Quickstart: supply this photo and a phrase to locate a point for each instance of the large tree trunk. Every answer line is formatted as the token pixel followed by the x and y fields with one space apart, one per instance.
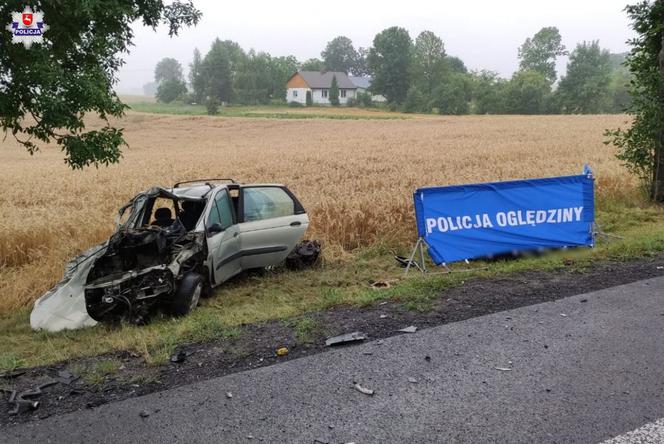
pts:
pixel 658 173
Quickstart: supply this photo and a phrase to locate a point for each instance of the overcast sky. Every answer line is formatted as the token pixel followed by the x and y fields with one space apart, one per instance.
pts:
pixel 484 33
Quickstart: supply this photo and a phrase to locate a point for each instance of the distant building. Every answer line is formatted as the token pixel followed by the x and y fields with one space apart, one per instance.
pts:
pixel 363 84
pixel 318 83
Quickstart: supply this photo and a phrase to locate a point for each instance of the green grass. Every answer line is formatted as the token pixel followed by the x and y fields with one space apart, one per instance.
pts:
pixel 305 328
pixel 264 112
pixel 288 296
pixel 97 372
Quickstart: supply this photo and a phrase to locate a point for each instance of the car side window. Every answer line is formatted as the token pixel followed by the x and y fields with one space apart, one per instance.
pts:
pixel 221 212
pixel 262 203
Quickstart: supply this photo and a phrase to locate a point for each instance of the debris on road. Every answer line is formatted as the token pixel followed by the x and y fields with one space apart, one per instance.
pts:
pixel 229 395
pixel 179 357
pixel 427 358
pixel 563 315
pixel 345 338
pixel 144 414
pixel 12 374
pixel 21 404
pixel 410 329
pixel 364 390
pixel 412 380
pixel 504 369
pixel 65 377
pixel 283 351
pixel 383 316
pixel 379 285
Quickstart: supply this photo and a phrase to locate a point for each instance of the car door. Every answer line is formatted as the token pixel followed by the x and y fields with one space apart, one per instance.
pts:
pixel 272 223
pixel 223 238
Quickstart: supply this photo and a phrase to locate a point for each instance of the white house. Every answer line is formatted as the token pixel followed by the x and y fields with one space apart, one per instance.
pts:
pixel 318 84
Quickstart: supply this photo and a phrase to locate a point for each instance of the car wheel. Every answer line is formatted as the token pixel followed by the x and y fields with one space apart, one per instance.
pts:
pixel 187 295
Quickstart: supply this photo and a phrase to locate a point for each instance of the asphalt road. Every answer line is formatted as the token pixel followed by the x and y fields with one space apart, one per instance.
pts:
pixel 582 369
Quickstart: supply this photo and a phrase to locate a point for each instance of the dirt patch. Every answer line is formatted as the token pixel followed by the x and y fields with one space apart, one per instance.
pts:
pixel 94 381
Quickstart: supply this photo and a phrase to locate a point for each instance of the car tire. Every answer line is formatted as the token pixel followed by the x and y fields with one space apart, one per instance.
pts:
pixel 187 295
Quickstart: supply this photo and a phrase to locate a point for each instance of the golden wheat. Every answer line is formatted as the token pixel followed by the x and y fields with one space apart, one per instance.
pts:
pixel 355 177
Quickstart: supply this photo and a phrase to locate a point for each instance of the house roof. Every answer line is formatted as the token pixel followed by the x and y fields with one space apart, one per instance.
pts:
pixel 361 82
pixel 317 79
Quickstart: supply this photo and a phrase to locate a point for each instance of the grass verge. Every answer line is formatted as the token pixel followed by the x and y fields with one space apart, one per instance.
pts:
pixel 289 295
pixel 269 112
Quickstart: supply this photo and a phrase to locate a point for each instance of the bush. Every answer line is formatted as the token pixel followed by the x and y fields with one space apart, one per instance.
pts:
pixel 351 101
pixel 295 105
pixel 364 99
pixel 170 90
pixel 212 105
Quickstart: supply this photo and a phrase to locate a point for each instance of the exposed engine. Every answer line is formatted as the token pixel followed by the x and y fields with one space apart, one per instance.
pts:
pixel 139 269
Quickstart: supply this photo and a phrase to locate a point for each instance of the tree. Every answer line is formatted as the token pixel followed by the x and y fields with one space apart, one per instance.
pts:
pixel 168 69
pixel 428 58
pixel 334 92
pixel 488 93
pixel 415 101
pixel 360 67
pixel 585 87
pixel 453 96
pixel 281 68
pixel 641 146
pixel 527 93
pixel 47 90
pixel 390 61
pixel 339 55
pixel 253 81
pixel 539 53
pixel 313 65
pixel 170 90
pixel 217 72
pixel 196 78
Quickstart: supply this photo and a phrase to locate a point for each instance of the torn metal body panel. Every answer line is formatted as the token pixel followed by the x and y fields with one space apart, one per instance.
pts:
pixel 169 248
pixel 63 306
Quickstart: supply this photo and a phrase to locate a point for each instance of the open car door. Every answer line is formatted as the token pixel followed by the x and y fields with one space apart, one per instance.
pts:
pixel 272 222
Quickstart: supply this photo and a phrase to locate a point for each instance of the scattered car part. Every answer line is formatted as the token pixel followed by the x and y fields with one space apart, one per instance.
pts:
pixel 410 329
pixel 282 351
pixel 364 390
pixel 403 262
pixel 346 338
pixel 304 255
pixel 21 404
pixel 179 357
pixel 170 247
pixel 504 369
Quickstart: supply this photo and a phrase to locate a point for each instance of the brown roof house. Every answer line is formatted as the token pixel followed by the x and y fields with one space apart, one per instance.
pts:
pixel 318 83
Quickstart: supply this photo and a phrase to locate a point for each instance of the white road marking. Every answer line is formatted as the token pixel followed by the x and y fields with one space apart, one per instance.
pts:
pixel 652 433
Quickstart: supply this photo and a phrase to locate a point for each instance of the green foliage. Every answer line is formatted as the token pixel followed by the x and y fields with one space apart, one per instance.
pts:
pixel 168 69
pixel 212 105
pixel 295 104
pixel 313 65
pixel 364 99
pixel 339 55
pixel 453 96
pixel 539 53
pixel 415 101
pixel 309 100
pixel 390 60
pixel 641 146
pixel 219 69
pixel 196 78
pixel 334 92
pixel 585 87
pixel 488 93
pixel 428 66
pixel 47 90
pixel 170 90
pixel 527 93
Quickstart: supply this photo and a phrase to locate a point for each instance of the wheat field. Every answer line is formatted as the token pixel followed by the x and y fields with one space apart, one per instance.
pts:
pixel 355 177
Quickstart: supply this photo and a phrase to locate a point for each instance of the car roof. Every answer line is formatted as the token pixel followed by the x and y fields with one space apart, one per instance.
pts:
pixel 199 191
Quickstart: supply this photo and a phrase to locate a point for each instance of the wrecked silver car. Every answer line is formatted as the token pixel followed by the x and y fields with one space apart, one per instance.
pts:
pixel 171 247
